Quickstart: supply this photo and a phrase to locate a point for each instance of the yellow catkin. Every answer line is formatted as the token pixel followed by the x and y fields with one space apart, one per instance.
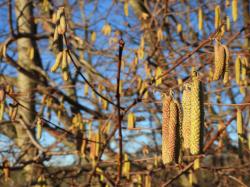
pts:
pixel 65 65
pixel 196 116
pixel 165 126
pixel 159 35
pixel 148 180
pixel 217 16
pixel 39 129
pixel 196 164
pixel 186 105
pixel 228 23
pixel 59 14
pixel 42 181
pixel 13 112
pixel 219 60
pixel 121 87
pixel 158 73
pixel 179 28
pixel 86 89
pixel 6 170
pixel 126 166
pixel 180 83
pixel 104 104
pixel 93 36
pixel 31 53
pixel 98 141
pixel 125 8
pixel 56 34
pixel 131 120
pixel 58 62
pixel 156 161
pixel 139 180
pixel 106 30
pixel 190 177
pixel 200 19
pixel 142 42
pixel 226 65
pixel 2 107
pixel 108 127
pixel 235 10
pixel 140 53
pixel 172 133
pixel 179 138
pixel 92 145
pixel 83 147
pixel 244 68
pixel 237 69
pixel 63 25
pixel 54 17
pixel 240 131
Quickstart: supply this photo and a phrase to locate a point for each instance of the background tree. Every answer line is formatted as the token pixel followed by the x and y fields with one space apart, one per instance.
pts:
pixel 83 86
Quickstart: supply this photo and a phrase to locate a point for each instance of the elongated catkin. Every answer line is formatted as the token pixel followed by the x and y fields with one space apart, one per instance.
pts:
pixel 58 62
pixel 65 65
pixel 38 129
pixel 200 18
pixel 244 69
pixel 237 69
pixel 240 131
pixel 219 60
pixel 179 137
pixel 197 116
pixel 217 16
pixel 186 105
pixel 131 120
pixel 165 125
pixel 172 133
pixel 235 10
pixel 226 65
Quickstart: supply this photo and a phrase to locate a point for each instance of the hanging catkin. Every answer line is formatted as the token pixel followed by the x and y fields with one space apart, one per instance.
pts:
pixel 240 131
pixel 179 137
pixel 125 8
pixel 39 125
pixel 165 125
pixel 220 58
pixel 228 23
pixel 197 114
pixel 226 66
pixel 131 120
pixel 172 132
pixel 200 18
pixel 237 69
pixel 186 105
pixel 65 72
pixel 58 62
pixel 217 16
pixel 235 10
pixel 6 169
pixel 244 70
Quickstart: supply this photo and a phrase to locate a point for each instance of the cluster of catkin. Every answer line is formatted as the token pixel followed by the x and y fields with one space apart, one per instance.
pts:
pixel 221 58
pixel 182 125
pixel 62 58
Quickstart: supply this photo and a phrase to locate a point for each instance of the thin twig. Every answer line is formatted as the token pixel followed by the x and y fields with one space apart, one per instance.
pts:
pixel 119 117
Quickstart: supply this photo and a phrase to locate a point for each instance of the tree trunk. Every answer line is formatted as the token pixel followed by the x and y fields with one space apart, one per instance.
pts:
pixel 25 24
